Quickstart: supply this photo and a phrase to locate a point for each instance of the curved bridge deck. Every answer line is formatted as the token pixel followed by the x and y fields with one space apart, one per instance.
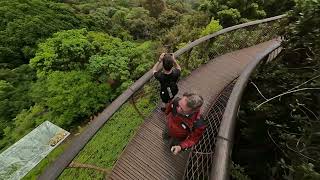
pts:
pixel 147 156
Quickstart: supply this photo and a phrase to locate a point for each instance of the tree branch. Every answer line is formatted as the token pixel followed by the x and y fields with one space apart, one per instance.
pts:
pixel 288 92
pixel 304 82
pixel 258 90
pixel 88 166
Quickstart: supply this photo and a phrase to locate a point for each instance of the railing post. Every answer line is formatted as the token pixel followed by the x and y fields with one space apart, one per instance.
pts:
pixel 136 108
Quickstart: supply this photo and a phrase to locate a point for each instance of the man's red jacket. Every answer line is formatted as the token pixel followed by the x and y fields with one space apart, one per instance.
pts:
pixel 186 128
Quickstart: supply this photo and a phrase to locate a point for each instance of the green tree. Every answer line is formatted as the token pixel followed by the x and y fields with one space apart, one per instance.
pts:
pixel 167 20
pixel 212 27
pixel 229 17
pixel 302 33
pixel 187 30
pixel 274 7
pixel 254 11
pixel 105 57
pixel 69 96
pixel 25 23
pixel 139 23
pixel 66 50
pixel 155 7
pixel 14 88
pixel 210 6
pixel 6 90
pixel 63 98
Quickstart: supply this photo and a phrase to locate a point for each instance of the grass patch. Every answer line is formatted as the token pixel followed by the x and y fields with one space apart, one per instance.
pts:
pixel 36 171
pixel 106 146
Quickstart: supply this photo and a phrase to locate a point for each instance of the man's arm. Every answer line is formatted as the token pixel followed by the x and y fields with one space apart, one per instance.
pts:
pixel 158 65
pixel 195 135
pixel 191 140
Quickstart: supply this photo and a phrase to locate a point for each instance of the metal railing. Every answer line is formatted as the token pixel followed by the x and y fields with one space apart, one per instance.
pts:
pixel 224 139
pixel 191 56
pixel 207 152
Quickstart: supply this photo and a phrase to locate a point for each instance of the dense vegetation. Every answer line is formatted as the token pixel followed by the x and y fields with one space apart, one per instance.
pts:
pixel 50 52
pixel 279 135
pixel 65 61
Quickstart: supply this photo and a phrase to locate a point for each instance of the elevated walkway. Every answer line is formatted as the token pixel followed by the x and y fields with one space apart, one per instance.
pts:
pixel 147 156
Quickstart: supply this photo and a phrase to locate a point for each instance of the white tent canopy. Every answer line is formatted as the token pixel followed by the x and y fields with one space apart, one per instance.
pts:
pixel 21 157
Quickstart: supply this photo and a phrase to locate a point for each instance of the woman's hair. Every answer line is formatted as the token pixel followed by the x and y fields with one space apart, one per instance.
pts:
pixel 194 101
pixel 167 62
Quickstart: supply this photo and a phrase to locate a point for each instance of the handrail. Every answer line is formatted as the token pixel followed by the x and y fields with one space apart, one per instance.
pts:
pixel 223 31
pixel 56 168
pixel 219 170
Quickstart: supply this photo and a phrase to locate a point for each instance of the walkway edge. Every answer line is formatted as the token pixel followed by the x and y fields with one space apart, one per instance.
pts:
pixel 224 144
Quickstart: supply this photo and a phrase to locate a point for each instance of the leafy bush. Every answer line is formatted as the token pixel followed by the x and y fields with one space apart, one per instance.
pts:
pixel 212 27
pixel 229 17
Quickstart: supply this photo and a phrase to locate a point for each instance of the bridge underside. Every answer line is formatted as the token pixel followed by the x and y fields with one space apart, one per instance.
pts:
pixel 147 156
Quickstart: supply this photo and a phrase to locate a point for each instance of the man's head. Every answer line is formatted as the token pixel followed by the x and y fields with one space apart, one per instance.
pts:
pixel 189 103
pixel 167 62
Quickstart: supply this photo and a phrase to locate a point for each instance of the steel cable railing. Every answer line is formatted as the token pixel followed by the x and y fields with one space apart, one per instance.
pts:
pixel 191 56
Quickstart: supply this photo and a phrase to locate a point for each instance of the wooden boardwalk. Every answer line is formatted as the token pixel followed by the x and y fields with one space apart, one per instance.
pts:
pixel 147 156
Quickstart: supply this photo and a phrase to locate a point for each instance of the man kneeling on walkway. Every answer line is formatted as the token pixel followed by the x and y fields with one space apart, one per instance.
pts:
pixel 185 125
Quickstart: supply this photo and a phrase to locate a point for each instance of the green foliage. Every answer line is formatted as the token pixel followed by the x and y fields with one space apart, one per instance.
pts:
pixel 62 98
pixel 302 33
pixel 105 57
pixel 188 30
pixel 274 7
pixel 303 171
pixel 106 146
pixel 237 172
pixel 141 59
pixel 229 17
pixel 111 69
pixel 36 171
pixel 66 50
pixel 253 11
pixel 225 43
pixel 284 132
pixel 168 19
pixel 306 172
pixel 25 121
pixel 212 27
pixel 139 23
pixel 69 96
pixel 14 87
pixel 182 6
pixel 5 92
pixel 233 12
pixel 25 23
pixel 119 62
pixel 155 7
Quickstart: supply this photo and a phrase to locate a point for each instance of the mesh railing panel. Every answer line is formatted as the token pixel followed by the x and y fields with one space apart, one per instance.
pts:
pixel 228 42
pixel 200 158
